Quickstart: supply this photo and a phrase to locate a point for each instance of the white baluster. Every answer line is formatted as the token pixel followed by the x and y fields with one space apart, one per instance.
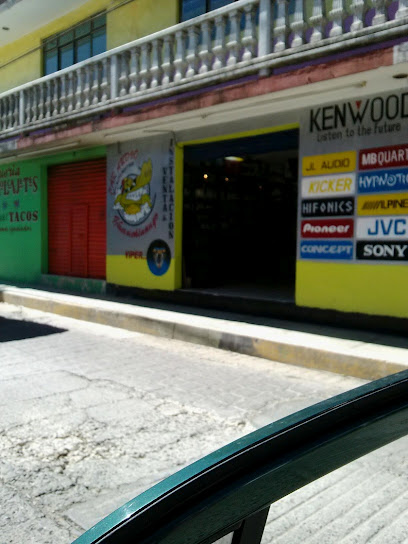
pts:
pixel 265 27
pixel 95 83
pixel 205 48
pixel 87 86
pixel 34 101
pixel 48 98
pixel 280 29
pixel 134 70
pixel 28 105
pixel 156 69
pixel 63 94
pixel 191 57
pixel 402 9
pixel 124 71
pixel 41 101
pixel 316 22
pixel 298 24
pixel 336 17
pixel 9 112
pixel 55 97
pixel 180 60
pixel 219 48
pixel 105 80
pixel 233 43
pixel 379 17
pixel 357 8
pixel 78 89
pixel 145 67
pixel 15 110
pixel 7 108
pixel 249 37
pixel 113 76
pixel 21 111
pixel 70 92
pixel 168 59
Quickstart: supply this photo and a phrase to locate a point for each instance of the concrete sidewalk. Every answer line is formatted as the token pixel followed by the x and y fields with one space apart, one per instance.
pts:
pixel 368 355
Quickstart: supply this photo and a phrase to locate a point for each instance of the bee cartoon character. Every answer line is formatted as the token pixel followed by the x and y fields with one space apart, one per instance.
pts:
pixel 130 184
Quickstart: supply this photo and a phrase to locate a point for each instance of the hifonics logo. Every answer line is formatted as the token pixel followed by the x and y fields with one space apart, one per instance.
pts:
pixel 371 110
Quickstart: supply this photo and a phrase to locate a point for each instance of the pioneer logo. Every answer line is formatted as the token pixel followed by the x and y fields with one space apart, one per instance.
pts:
pixel 327 228
pixel 357 112
pixel 390 251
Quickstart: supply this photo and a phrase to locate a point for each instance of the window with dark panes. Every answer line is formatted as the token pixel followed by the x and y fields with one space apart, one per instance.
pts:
pixel 194 8
pixel 75 44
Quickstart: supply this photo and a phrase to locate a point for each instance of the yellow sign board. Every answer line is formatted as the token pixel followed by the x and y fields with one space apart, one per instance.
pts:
pixel 385 204
pixel 331 163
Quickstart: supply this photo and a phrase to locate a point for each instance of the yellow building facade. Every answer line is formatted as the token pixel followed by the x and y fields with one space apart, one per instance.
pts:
pixel 231 147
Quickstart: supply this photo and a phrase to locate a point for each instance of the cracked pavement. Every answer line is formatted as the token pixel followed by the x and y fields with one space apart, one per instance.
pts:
pixel 92 415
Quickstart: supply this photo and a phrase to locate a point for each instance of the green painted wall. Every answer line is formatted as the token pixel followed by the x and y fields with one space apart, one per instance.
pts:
pixel 23 215
pixel 20 221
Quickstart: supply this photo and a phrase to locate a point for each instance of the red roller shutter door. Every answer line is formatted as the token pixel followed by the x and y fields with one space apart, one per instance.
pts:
pixel 77 219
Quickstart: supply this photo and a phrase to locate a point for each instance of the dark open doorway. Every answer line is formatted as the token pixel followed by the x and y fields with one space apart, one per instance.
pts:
pixel 240 210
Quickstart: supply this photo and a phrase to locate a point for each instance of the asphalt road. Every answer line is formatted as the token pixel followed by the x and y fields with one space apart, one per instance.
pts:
pixel 91 415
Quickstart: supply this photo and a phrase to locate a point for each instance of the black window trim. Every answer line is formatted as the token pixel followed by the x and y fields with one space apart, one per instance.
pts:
pixel 94 27
pixel 207 9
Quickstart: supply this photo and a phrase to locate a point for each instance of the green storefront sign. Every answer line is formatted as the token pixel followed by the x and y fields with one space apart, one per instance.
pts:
pixel 24 215
pixel 20 221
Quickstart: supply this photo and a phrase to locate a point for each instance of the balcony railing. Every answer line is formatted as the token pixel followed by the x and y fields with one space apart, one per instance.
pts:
pixel 248 36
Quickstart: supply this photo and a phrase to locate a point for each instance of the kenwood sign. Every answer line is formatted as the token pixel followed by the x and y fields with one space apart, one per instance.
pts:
pixel 378 109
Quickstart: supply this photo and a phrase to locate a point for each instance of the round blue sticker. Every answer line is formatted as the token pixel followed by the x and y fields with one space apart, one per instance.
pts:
pixel 158 257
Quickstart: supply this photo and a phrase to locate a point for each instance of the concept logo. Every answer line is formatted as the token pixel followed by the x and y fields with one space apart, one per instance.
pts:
pixel 158 257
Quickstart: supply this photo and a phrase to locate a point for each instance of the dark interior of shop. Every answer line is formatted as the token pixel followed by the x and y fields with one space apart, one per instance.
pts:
pixel 239 216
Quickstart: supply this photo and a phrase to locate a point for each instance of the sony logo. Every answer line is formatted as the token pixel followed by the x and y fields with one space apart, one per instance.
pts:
pixel 385 250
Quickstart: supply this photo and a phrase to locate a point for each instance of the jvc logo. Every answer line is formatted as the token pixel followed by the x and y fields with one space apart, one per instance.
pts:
pixel 382 228
pixel 388 227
